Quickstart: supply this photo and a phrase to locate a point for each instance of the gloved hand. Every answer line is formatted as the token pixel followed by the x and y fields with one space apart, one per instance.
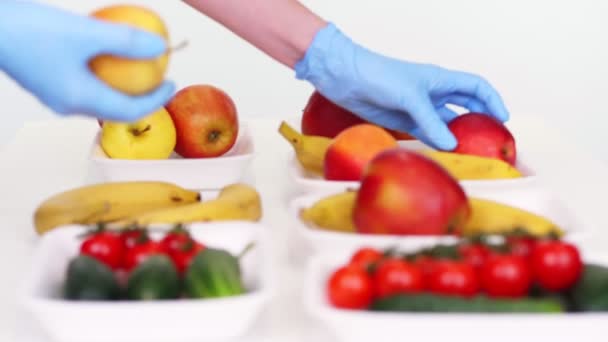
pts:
pixel 46 51
pixel 395 94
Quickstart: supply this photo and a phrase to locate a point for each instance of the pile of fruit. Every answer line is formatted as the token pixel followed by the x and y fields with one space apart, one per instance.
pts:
pixel 131 265
pixel 200 121
pixel 338 146
pixel 123 204
pixel 519 273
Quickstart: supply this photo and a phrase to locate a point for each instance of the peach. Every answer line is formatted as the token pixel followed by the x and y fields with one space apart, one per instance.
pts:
pixel 405 193
pixel 352 149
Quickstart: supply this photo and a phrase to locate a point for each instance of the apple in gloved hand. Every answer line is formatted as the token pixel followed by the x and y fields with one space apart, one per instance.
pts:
pixel 352 149
pixel 206 121
pixel 482 135
pixel 151 137
pixel 324 118
pixel 405 193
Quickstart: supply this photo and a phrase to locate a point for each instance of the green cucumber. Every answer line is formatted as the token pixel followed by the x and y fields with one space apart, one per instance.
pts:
pixel 213 273
pixel 479 304
pixel 89 279
pixel 156 278
pixel 590 293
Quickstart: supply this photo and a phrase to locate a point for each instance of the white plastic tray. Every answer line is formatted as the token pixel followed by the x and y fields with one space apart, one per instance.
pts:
pixel 311 241
pixel 190 173
pixel 162 321
pixel 365 326
pixel 307 182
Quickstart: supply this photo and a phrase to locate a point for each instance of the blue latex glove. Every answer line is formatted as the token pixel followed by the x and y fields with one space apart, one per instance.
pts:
pixel 46 51
pixel 396 94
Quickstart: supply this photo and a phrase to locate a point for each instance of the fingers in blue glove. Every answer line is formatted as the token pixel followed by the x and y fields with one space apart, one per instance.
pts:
pixel 477 87
pixel 431 125
pixel 124 41
pixel 465 101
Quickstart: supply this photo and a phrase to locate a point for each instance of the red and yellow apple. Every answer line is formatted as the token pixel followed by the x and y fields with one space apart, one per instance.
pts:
pixel 324 118
pixel 351 150
pixel 482 135
pixel 206 121
pixel 132 76
pixel 151 137
pixel 405 193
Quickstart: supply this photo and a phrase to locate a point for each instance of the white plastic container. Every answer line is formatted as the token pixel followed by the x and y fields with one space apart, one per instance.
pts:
pixel 190 173
pixel 365 326
pixel 138 321
pixel 307 182
pixel 310 240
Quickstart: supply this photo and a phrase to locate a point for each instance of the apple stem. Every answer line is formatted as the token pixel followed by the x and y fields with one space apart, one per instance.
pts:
pixel 178 47
pixel 137 132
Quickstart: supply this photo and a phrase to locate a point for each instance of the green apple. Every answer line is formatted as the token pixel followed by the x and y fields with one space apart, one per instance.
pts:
pixel 151 137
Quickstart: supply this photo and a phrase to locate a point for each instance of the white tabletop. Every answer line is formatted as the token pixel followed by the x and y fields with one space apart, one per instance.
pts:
pixel 50 156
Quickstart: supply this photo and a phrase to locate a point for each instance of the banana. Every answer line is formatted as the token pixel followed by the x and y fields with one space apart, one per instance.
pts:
pixel 105 202
pixel 309 149
pixel 234 202
pixel 489 217
pixel 333 212
pixel 471 167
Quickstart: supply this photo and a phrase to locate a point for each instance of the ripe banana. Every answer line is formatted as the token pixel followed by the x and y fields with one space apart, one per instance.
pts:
pixel 234 202
pixel 309 149
pixel 105 202
pixel 497 218
pixel 471 167
pixel 332 213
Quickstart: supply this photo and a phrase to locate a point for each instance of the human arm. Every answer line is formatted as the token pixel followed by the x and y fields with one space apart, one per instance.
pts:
pixel 397 94
pixel 50 60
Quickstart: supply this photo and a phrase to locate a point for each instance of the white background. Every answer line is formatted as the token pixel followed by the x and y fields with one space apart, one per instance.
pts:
pixel 547 58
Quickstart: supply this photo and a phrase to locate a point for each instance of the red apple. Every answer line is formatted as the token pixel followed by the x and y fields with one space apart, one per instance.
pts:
pixel 482 135
pixel 405 193
pixel 352 149
pixel 323 117
pixel 205 120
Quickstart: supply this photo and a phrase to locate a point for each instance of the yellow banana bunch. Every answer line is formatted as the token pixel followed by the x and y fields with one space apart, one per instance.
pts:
pixel 493 217
pixel 309 149
pixel 234 202
pixel 471 167
pixel 333 212
pixel 106 202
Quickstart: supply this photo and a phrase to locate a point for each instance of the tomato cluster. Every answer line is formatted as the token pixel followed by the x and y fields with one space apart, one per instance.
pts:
pixel 124 250
pixel 510 269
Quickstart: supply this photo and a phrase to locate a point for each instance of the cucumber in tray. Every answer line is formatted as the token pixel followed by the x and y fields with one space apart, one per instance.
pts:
pixel 89 279
pixel 213 272
pixel 426 302
pixel 156 278
pixel 590 293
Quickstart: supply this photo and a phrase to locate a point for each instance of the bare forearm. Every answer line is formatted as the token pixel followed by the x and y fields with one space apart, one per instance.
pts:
pixel 283 29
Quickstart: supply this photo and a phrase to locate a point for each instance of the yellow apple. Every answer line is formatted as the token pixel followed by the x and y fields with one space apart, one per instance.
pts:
pixel 151 137
pixel 132 76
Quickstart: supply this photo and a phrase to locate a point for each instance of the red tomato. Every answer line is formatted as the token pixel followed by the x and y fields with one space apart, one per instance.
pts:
pixel 451 277
pixel 475 254
pixel 350 287
pixel 425 263
pixel 130 237
pixel 506 276
pixel 175 240
pixel 104 246
pixel 366 256
pixel 141 251
pixel 556 265
pixel 182 258
pixel 393 276
pixel 521 246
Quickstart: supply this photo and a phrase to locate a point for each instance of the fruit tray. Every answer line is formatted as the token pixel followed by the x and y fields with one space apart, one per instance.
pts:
pixel 311 240
pixel 208 318
pixel 306 182
pixel 190 173
pixel 362 325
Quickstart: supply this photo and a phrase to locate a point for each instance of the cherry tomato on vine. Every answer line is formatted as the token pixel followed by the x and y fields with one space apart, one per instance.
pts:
pixel 350 287
pixel 175 239
pixel 506 275
pixel 183 256
pixel 556 265
pixel 474 253
pixel 366 256
pixel 393 276
pixel 453 277
pixel 521 245
pixel 130 237
pixel 104 246
pixel 141 251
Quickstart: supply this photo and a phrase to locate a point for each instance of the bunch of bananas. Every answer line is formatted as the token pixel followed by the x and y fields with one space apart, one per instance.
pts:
pixel 335 213
pixel 123 204
pixel 310 152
